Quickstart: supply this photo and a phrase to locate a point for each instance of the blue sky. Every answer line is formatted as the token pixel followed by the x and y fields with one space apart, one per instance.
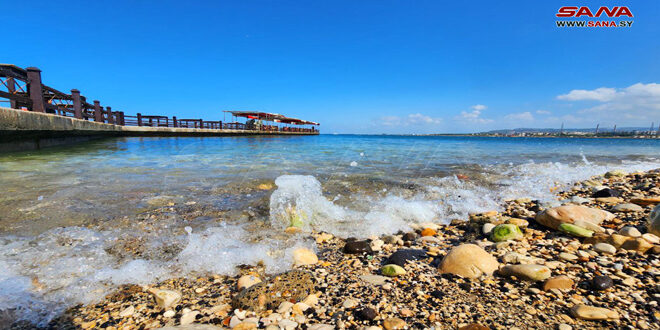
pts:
pixel 354 66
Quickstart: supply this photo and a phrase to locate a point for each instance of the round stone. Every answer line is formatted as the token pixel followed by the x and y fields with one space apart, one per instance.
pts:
pixel 604 248
pixel 600 283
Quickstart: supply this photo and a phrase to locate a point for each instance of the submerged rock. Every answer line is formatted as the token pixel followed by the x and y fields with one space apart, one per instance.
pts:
pixel 469 260
pixel 505 232
pixel 578 215
pixel 290 286
pixel 304 256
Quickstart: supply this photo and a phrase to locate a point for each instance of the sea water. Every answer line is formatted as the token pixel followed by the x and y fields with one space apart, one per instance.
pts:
pixel 66 213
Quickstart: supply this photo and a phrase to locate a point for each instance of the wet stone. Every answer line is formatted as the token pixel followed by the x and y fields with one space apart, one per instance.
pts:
pixel 402 256
pixel 290 286
pixel 357 247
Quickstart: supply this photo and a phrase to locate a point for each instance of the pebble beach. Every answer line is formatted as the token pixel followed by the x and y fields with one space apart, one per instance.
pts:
pixel 588 260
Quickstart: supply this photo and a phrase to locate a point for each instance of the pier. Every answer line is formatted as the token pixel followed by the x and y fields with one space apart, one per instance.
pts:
pixel 34 115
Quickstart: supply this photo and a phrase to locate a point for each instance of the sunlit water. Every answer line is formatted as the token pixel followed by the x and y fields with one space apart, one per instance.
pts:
pixel 66 214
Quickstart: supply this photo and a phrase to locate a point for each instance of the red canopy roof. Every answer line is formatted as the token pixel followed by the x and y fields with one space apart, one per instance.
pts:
pixel 276 117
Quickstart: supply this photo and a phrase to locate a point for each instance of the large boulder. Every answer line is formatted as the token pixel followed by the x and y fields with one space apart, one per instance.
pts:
pixel 654 221
pixel 578 215
pixel 468 260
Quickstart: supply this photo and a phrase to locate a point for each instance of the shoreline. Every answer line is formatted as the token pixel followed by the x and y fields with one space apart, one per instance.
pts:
pixel 342 283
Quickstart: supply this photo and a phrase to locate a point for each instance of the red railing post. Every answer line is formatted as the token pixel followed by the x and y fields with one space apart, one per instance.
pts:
pixel 201 123
pixel 174 124
pixel 98 116
pixel 111 120
pixel 77 104
pixel 120 118
pixel 139 119
pixel 35 89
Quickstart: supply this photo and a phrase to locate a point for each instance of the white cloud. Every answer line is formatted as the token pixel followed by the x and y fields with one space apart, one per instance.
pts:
pixel 543 112
pixel 411 119
pixel 523 116
pixel 474 116
pixel 602 94
pixel 635 103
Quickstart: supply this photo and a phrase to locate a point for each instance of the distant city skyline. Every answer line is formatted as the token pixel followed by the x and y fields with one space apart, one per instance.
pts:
pixel 356 67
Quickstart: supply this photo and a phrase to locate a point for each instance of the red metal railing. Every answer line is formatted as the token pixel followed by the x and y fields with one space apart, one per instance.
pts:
pixel 24 90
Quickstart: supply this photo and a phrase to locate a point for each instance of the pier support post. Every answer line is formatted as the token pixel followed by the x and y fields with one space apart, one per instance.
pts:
pixel 98 116
pixel 201 123
pixel 77 104
pixel 35 89
pixel 111 120
pixel 11 88
pixel 139 119
pixel 174 124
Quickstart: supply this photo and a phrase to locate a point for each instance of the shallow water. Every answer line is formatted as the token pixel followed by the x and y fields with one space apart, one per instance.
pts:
pixel 67 214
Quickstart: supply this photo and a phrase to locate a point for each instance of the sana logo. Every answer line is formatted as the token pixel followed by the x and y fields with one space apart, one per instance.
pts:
pixel 573 11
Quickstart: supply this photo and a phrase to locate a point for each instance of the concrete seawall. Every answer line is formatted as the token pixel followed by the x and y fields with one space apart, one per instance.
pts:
pixel 24 130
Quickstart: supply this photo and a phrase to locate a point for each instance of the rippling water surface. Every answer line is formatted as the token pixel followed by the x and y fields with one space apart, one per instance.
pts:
pixel 76 221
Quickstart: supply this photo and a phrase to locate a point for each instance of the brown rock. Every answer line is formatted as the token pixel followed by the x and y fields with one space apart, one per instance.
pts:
pixel 646 201
pixel 618 240
pixel 578 215
pixel 638 244
pixel 561 282
pixel 294 285
pixel 394 323
pixel 586 312
pixel 468 260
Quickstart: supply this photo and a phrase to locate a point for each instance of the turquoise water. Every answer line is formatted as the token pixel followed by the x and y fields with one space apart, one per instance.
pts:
pixel 65 212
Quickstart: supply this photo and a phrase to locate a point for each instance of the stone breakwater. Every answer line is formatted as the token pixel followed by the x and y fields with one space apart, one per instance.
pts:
pixel 590 259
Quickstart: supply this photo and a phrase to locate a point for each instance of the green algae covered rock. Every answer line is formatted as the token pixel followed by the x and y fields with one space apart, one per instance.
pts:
pixel 392 270
pixel 505 232
pixel 575 230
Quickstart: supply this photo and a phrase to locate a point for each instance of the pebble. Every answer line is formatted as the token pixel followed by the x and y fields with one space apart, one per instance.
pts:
pixel 357 247
pixel 529 272
pixel 428 232
pixel 169 313
pixel 287 324
pixel 392 270
pixel 604 248
pixel 349 303
pixel 487 228
pixel 630 231
pixel 367 314
pixel 568 256
pixel 376 245
pixel 653 239
pixel 188 318
pixel 247 281
pixel 394 323
pixel 586 312
pixel 401 257
pixel 374 279
pixel 166 298
pixel 284 307
pixel 127 312
pixel 627 207
pixel 564 326
pixel 561 282
pixel 304 256
pixel 600 283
